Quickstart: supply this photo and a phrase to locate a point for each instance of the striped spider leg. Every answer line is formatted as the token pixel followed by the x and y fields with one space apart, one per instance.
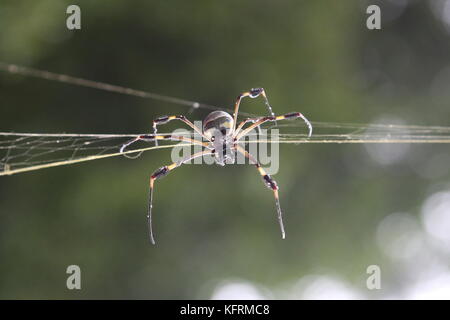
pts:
pixel 162 172
pixel 253 93
pixel 150 137
pixel 166 119
pixel 239 132
pixel 269 182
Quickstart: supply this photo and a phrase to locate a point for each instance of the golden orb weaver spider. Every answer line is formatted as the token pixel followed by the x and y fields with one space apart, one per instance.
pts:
pixel 222 135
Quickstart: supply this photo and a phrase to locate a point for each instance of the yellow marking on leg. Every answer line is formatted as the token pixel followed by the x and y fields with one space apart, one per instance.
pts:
pixel 180 138
pixel 172 166
pixel 236 107
pixel 262 171
pixel 240 134
pixel 181 118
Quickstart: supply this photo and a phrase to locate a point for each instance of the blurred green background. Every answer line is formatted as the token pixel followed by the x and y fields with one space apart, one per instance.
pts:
pixel 346 206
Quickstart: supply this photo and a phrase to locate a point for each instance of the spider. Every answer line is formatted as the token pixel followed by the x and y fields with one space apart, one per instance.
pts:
pixel 221 134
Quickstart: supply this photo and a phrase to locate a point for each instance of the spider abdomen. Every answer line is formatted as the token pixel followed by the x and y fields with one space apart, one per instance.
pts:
pixel 218 124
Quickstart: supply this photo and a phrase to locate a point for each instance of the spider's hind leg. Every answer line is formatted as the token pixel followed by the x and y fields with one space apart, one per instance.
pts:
pixel 270 183
pixel 160 173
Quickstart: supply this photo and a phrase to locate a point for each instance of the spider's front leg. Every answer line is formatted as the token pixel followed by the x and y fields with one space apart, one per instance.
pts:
pixel 239 133
pixel 160 173
pixel 269 182
pixel 253 93
pixel 159 137
pixel 166 119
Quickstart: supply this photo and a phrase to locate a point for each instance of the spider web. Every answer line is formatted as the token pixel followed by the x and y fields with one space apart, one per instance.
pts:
pixel 21 152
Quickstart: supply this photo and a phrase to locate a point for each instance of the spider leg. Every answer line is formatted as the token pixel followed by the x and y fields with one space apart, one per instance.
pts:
pixel 253 93
pixel 244 122
pixel 166 119
pixel 269 182
pixel 257 122
pixel 160 173
pixel 160 137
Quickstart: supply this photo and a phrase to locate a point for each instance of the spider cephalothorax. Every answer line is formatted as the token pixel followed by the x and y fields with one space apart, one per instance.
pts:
pixel 221 136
